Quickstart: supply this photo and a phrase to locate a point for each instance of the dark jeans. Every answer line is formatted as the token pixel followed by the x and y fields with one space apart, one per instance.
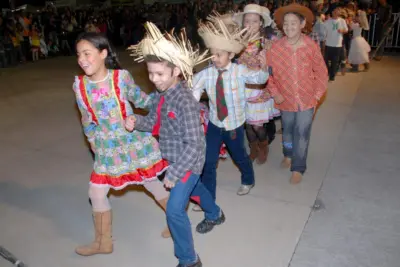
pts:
pixel 234 141
pixel 296 137
pixel 332 60
pixel 178 220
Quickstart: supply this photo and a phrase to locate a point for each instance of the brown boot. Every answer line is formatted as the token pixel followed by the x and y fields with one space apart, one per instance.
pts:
pixel 263 152
pixel 254 147
pixel 286 163
pixel 296 178
pixel 102 243
pixel 163 203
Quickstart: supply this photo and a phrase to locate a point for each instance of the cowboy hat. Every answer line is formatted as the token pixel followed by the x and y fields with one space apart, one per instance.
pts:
pixel 254 9
pixel 305 12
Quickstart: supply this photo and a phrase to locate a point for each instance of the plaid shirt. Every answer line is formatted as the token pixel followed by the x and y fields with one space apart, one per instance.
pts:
pixel 181 136
pixel 235 79
pixel 299 76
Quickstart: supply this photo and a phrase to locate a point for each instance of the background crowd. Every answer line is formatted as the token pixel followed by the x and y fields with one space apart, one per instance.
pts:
pixel 30 36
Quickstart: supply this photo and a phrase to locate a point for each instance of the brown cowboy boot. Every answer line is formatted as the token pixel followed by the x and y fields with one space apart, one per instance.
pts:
pixel 254 147
pixel 163 203
pixel 263 152
pixel 102 243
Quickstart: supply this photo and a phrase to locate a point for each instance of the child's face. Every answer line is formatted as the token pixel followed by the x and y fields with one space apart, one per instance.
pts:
pixel 292 25
pixel 221 58
pixel 252 22
pixel 90 59
pixel 162 75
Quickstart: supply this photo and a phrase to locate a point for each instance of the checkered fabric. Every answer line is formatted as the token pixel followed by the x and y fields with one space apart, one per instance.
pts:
pixel 300 76
pixel 181 135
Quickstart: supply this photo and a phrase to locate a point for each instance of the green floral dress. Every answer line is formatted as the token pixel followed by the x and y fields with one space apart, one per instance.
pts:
pixel 121 157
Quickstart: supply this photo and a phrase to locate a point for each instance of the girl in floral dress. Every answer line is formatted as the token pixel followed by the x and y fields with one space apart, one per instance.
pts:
pixel 260 111
pixel 121 158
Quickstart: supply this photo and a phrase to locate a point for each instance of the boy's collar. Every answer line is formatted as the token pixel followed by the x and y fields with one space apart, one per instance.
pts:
pixel 171 89
pixel 227 67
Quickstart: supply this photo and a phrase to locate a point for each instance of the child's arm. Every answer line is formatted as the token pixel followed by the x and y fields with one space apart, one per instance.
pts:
pixel 199 83
pixel 134 94
pixel 88 124
pixel 272 86
pixel 320 73
pixel 146 123
pixel 193 138
pixel 255 76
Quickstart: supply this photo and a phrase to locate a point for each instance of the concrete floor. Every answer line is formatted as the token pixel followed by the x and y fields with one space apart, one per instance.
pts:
pixel 353 169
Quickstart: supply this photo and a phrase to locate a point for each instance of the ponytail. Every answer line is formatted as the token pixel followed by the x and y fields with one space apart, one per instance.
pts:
pixel 112 61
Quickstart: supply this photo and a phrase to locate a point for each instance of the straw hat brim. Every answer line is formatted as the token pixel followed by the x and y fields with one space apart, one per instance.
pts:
pixel 238 17
pixel 219 42
pixel 294 8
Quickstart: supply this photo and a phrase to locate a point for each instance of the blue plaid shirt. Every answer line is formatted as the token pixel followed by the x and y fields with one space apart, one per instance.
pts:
pixel 181 136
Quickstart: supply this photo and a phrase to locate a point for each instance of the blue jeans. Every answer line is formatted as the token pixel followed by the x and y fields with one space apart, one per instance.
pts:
pixel 234 141
pixel 296 137
pixel 178 220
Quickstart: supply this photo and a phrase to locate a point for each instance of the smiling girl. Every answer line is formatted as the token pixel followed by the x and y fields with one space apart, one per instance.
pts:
pixel 121 158
pixel 260 109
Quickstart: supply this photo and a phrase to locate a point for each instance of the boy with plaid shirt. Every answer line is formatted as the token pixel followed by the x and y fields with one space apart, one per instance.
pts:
pixel 175 118
pixel 225 84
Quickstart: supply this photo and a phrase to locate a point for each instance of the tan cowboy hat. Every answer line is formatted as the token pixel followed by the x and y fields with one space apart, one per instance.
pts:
pixel 254 9
pixel 168 47
pixel 294 8
pixel 215 34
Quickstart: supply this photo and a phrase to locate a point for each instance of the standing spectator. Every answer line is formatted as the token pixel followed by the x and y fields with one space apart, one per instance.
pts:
pixel 335 28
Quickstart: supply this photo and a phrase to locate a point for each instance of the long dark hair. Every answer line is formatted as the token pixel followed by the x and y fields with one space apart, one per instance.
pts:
pixel 101 42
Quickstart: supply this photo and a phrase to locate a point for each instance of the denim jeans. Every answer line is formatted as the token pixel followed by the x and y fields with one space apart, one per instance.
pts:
pixel 234 141
pixel 178 220
pixel 296 137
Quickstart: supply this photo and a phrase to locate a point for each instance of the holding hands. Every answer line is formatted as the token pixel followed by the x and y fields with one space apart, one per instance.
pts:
pixel 130 123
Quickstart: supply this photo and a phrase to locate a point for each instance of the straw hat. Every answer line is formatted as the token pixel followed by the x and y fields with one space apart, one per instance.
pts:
pixel 216 35
pixel 254 9
pixel 227 18
pixel 168 47
pixel 294 8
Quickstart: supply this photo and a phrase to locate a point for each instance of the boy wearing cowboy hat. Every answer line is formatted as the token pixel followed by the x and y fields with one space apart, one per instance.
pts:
pixel 298 81
pixel 224 83
pixel 175 118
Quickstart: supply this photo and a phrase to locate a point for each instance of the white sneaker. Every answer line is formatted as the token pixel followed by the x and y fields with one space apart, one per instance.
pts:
pixel 244 189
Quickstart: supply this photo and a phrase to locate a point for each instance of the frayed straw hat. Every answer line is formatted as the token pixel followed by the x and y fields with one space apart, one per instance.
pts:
pixel 168 47
pixel 216 35
pixel 254 9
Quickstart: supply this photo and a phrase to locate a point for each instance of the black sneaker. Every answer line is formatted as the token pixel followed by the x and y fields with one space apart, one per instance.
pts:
pixel 206 226
pixel 196 264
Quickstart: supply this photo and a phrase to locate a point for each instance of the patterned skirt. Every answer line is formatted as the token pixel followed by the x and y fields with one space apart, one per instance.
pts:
pixel 123 158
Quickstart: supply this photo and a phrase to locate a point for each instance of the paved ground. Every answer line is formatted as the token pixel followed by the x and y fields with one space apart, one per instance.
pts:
pixel 353 155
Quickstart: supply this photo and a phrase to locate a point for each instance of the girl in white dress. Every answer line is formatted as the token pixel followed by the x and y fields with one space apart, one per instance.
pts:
pixel 359 48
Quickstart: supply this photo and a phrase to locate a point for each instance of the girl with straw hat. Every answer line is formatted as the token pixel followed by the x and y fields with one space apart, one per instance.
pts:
pixel 260 109
pixel 224 83
pixel 175 118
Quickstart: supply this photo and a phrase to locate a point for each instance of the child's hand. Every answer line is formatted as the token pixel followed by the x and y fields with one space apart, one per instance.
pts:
pixel 279 99
pixel 262 97
pixel 130 123
pixel 168 183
